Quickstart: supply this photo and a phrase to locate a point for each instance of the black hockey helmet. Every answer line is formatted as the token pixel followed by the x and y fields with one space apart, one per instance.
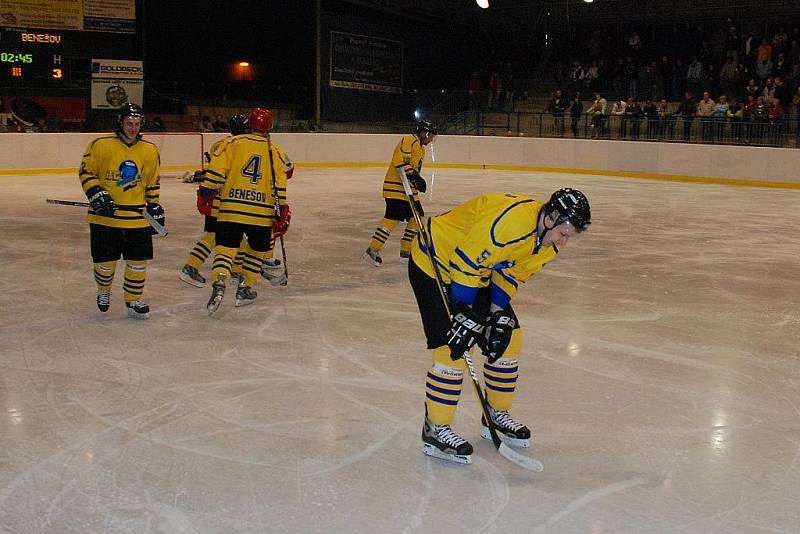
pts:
pixel 569 205
pixel 130 110
pixel 239 124
pixel 427 127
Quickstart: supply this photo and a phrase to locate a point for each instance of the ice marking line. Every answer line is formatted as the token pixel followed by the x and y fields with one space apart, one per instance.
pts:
pixel 424 503
pixel 588 498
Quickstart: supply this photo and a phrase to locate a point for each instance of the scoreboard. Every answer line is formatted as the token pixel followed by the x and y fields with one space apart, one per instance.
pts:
pixel 54 58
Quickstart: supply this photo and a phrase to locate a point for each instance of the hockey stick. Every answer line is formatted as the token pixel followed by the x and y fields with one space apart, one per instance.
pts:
pixel 505 451
pixel 160 230
pixel 433 173
pixel 277 206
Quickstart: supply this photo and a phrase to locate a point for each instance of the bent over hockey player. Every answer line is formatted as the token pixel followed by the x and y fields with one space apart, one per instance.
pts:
pixel 484 249
pixel 409 153
pixel 120 175
pixel 250 175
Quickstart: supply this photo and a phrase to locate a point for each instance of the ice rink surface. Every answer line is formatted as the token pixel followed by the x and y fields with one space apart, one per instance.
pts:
pixel 660 373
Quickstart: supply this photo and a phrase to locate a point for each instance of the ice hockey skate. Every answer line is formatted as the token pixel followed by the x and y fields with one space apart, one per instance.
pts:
pixel 245 296
pixel 190 275
pixel 441 442
pixel 138 310
pixel 217 293
pixel 373 256
pixel 103 300
pixel 271 263
pixel 511 432
pixel 275 279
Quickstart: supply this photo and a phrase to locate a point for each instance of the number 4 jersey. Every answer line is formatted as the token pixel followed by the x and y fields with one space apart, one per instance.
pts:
pixel 242 170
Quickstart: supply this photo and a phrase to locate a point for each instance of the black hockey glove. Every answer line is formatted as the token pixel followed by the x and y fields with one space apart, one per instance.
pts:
pixel 465 329
pixel 417 181
pixel 157 212
pixel 100 201
pixel 497 335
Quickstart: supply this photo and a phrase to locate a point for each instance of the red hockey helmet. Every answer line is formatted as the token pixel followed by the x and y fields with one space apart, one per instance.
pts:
pixel 260 120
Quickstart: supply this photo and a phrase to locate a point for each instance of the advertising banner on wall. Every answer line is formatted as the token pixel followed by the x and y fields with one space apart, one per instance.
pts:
pixel 117 68
pixel 117 16
pixel 367 63
pixel 115 82
pixel 111 94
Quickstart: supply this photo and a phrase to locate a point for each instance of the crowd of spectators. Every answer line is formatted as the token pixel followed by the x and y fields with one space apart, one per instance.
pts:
pixel 726 84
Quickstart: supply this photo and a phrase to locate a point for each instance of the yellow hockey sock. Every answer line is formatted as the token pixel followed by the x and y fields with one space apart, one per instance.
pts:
pixel 135 274
pixel 223 262
pixel 501 376
pixel 382 233
pixel 443 386
pixel 202 249
pixel 251 264
pixel 409 235
pixel 104 274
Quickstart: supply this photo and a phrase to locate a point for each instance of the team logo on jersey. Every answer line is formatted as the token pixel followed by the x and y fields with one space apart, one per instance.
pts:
pixel 128 175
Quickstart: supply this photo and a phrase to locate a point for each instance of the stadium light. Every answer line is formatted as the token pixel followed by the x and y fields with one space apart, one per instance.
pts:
pixel 588 1
pixel 483 4
pixel 417 114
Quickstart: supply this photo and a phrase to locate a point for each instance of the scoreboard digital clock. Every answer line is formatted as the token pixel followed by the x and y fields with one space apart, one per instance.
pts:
pixel 15 57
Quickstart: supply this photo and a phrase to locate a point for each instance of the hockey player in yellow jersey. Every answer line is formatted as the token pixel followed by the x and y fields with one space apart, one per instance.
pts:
pixel 120 175
pixel 249 176
pixel 202 249
pixel 483 249
pixel 409 153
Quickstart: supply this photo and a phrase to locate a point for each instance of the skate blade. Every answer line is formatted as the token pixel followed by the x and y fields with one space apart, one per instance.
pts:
pixel 141 316
pixel 508 440
pixel 213 306
pixel 191 281
pixel 430 450
pixel 245 302
pixel 372 262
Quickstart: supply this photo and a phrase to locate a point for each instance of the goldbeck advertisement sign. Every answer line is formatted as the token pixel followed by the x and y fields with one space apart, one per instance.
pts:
pixel 116 82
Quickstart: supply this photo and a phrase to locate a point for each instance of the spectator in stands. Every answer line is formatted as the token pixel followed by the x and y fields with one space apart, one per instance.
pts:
pixel 769 91
pixel 650 111
pixel 796 102
pixel 776 122
pixel 577 74
pixel 557 106
pixel 705 110
pixel 678 80
pixel 156 125
pixel 780 68
pixel 575 112
pixel 694 76
pixel 780 39
pixel 734 115
pixel 747 116
pixel 591 76
pixel 752 89
pixel 666 121
pixel 205 124
pixel 631 77
pixel 763 69
pixel 760 117
pixel 634 43
pixel 598 111
pixel 764 51
pixel 732 44
pixel 780 92
pixel 495 88
pixel 617 116
pixel 633 116
pixel 687 110
pixel 219 124
pixel 728 75
pixel 720 117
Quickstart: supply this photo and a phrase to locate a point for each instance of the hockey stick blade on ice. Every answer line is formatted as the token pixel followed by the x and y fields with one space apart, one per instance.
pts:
pixel 531 464
pixel 160 230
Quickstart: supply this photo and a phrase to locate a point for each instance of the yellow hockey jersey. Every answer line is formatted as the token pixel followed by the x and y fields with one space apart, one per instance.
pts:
pixel 213 152
pixel 409 153
pixel 130 174
pixel 242 172
pixel 489 240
